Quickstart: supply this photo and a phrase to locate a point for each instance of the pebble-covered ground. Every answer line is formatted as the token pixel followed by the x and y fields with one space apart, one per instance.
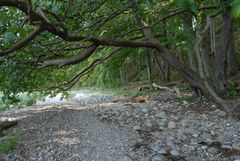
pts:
pixel 160 129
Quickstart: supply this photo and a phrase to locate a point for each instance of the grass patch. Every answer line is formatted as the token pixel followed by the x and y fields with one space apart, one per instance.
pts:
pixel 184 87
pixel 8 144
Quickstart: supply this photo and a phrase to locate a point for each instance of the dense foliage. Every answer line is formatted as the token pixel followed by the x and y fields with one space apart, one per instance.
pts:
pixel 50 46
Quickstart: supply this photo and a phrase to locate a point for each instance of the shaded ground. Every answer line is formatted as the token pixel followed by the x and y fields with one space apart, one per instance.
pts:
pixel 69 133
pixel 163 127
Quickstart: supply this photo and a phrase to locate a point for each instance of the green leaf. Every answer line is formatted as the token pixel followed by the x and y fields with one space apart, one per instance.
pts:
pixel 186 4
pixel 55 9
pixel 235 8
pixel 149 3
pixel 9 37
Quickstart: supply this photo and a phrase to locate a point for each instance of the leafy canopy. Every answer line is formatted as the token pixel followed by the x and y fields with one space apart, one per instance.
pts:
pixel 53 31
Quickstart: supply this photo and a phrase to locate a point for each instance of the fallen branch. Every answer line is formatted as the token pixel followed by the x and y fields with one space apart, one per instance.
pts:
pixel 6 124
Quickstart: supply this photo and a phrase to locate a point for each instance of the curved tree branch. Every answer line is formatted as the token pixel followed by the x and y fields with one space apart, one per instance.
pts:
pixel 85 71
pixel 72 60
pixel 22 43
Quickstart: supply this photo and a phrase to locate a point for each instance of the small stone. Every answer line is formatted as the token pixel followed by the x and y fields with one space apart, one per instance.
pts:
pixel 204 147
pixel 162 115
pixel 174 117
pixel 209 141
pixel 174 153
pixel 159 157
pixel 212 133
pixel 226 147
pixel 127 158
pixel 236 147
pixel 222 113
pixel 205 136
pixel 148 123
pixel 144 110
pixel 163 151
pixel 161 123
pixel 137 127
pixel 131 154
pixel 172 125
pixel 121 123
pixel 169 142
pixel 189 130
pixel 181 135
pixel 237 158
pixel 195 135
pixel 213 150
pixel 128 114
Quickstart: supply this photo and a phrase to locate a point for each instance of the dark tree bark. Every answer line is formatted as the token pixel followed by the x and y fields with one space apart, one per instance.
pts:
pixel 149 68
pixel 187 23
pixel 193 64
pixel 167 72
pixel 220 64
pixel 123 75
pixel 159 66
pixel 192 59
pixel 232 62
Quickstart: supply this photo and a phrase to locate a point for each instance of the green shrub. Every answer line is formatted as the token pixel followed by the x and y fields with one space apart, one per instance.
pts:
pixel 233 92
pixel 19 101
pixel 8 145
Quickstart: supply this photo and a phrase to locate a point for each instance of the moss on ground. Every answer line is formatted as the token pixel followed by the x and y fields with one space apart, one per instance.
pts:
pixel 8 144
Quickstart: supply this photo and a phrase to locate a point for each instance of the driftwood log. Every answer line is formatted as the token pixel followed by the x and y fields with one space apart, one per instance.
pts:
pixel 154 86
pixel 6 124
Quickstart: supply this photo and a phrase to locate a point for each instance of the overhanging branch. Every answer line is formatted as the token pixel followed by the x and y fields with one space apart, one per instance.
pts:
pixel 22 43
pixel 86 71
pixel 72 60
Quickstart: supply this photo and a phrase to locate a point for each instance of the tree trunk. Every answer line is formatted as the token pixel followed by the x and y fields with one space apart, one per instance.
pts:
pixel 205 58
pixel 192 59
pixel 193 64
pixel 231 57
pixel 220 64
pixel 149 68
pixel 123 75
pixel 159 66
pixel 167 72
pixel 187 74
pixel 193 78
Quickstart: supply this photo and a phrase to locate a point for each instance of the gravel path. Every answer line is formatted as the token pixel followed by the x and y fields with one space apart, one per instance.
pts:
pixel 69 134
pixel 97 127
